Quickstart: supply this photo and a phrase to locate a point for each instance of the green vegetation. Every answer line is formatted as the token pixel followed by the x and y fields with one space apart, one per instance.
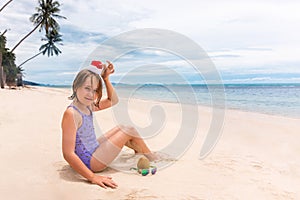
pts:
pixel 44 19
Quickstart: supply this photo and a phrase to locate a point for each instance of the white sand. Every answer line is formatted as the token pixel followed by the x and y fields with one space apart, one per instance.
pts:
pixel 257 156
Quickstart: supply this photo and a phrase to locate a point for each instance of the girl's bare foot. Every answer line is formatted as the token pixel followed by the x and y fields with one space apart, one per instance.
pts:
pixel 152 156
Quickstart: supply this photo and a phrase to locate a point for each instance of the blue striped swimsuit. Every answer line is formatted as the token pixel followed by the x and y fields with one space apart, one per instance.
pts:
pixel 86 142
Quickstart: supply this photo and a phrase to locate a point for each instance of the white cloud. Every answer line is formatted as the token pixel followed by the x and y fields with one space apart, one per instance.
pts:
pixel 239 36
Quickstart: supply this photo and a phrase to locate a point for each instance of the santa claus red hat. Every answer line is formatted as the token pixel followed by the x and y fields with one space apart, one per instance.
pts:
pixel 96 66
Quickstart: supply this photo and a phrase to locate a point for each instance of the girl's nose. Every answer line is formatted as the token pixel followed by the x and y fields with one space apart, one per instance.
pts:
pixel 91 93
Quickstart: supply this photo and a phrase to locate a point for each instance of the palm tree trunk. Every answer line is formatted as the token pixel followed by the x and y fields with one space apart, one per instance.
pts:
pixel 1 72
pixel 29 59
pixel 5 5
pixel 25 37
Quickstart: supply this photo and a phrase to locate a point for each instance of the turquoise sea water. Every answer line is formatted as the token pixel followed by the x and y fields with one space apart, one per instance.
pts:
pixel 274 99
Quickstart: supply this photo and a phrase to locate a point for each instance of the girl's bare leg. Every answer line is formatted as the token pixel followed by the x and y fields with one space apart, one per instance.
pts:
pixel 128 130
pixel 113 141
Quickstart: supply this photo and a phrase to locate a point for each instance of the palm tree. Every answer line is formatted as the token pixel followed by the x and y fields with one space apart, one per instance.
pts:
pixel 8 72
pixel 5 5
pixel 1 72
pixel 53 38
pixel 20 74
pixel 44 18
pixel 2 51
pixel 50 47
pixel 2 47
pixel 10 68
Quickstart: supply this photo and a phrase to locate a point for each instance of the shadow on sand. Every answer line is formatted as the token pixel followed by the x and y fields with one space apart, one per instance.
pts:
pixel 68 174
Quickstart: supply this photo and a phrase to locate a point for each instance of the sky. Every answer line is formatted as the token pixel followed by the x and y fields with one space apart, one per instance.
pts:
pixel 246 41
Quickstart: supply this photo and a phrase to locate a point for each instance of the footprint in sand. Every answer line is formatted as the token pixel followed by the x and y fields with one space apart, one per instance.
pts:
pixel 257 165
pixel 139 194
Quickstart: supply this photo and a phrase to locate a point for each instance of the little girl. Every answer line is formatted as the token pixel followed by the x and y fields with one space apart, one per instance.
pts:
pixel 81 149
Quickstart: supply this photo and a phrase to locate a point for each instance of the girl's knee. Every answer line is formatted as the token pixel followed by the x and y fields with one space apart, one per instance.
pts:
pixel 129 130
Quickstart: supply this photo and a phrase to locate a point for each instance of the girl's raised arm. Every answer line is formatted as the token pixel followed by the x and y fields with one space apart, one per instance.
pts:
pixel 112 97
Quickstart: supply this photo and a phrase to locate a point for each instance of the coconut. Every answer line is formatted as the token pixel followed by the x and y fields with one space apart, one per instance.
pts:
pixel 143 163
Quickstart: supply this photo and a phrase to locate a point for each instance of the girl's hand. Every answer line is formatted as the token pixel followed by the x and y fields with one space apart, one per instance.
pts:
pixel 104 181
pixel 109 69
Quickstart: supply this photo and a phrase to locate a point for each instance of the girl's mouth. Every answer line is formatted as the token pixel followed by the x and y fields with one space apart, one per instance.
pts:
pixel 89 99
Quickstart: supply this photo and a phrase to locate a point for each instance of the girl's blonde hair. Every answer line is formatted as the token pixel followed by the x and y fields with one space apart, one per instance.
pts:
pixel 81 78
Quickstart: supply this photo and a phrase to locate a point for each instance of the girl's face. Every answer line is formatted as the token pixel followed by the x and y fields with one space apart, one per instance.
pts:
pixel 86 93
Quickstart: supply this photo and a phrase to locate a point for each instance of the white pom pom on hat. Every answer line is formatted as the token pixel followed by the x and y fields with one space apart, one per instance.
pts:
pixel 96 66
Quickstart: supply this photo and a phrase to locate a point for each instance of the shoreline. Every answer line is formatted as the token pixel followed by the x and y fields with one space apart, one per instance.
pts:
pixel 199 104
pixel 210 107
pixel 67 91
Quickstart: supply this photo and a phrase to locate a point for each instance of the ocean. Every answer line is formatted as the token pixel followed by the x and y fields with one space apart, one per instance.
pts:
pixel 282 99
pixel 275 99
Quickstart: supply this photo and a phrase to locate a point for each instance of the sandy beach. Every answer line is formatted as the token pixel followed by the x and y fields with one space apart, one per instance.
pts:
pixel 257 156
